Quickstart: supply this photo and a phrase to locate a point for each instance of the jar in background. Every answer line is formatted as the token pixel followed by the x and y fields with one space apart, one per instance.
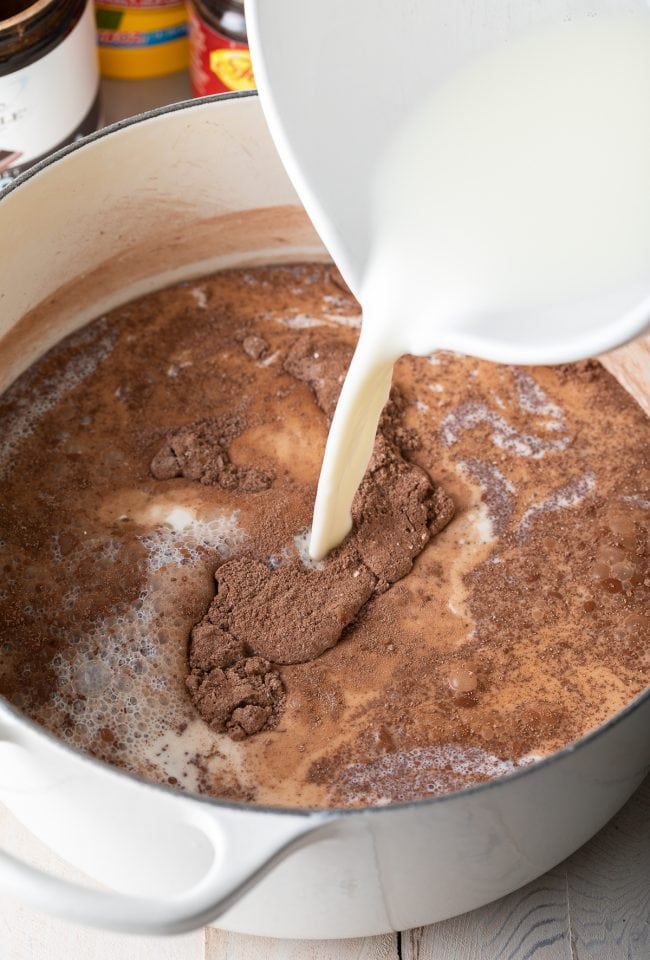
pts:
pixel 49 79
pixel 141 38
pixel 219 57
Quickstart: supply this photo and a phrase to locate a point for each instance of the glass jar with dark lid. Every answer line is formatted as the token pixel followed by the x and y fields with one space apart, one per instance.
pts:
pixel 226 16
pixel 219 57
pixel 49 80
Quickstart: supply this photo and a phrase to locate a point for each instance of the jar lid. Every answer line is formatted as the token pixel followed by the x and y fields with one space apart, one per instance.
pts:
pixel 22 11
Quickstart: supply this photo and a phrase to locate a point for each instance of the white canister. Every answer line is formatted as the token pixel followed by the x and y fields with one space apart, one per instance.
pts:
pixel 49 79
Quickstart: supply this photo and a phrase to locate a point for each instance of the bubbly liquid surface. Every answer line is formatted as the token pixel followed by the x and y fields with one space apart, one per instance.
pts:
pixel 522 625
pixel 512 206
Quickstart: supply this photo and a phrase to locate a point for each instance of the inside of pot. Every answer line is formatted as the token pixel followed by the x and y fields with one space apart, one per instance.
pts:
pixel 163 426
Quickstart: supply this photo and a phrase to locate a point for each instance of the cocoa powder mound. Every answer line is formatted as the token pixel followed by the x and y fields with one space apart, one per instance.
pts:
pixel 255 347
pixel 199 451
pixel 265 614
pixel 292 614
pixel 240 694
pixel 321 364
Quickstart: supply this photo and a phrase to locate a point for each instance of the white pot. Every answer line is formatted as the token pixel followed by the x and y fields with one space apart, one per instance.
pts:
pixel 170 196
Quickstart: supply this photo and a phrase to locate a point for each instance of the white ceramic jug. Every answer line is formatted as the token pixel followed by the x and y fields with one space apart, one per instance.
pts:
pixel 337 79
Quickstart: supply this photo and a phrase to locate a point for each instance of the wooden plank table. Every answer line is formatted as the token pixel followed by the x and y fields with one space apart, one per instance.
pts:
pixel 594 906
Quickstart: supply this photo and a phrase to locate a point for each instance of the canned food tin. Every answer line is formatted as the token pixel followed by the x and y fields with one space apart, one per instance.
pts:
pixel 219 56
pixel 142 38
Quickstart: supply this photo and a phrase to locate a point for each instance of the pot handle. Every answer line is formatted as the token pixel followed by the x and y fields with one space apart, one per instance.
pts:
pixel 246 847
pixel 229 878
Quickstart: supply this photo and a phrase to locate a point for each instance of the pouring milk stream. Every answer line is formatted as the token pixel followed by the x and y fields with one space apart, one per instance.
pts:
pixel 511 221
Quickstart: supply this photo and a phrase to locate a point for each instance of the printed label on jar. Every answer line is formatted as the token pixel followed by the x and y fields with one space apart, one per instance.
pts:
pixel 134 39
pixel 217 64
pixel 42 105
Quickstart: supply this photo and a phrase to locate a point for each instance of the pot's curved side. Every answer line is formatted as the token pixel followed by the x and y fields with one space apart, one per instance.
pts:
pixel 355 874
pixel 150 202
pixel 471 849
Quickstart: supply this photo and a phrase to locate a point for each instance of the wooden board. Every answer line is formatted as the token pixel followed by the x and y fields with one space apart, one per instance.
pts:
pixel 631 367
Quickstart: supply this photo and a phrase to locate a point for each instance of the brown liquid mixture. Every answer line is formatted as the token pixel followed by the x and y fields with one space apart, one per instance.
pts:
pixel 182 435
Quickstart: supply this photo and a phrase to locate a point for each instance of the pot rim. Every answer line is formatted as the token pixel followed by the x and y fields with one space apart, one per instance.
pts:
pixel 493 784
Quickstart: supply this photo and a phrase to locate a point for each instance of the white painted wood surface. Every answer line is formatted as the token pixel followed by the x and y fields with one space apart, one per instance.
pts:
pixel 631 367
pixel 594 906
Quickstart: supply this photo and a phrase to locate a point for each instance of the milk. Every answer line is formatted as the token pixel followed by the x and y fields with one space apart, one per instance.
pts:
pixel 514 206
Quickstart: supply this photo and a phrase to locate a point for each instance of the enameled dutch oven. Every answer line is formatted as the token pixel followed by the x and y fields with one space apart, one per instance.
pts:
pixel 170 196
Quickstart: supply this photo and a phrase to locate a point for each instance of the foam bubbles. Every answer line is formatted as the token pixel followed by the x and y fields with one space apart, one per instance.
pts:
pixel 300 321
pixel 120 687
pixel 504 436
pixel 91 677
pixel 200 296
pixel 177 531
pixel 569 495
pixel 425 770
pixel 533 398
pixel 637 501
pixel 352 320
pixel 179 518
pixel 301 543
pixel 497 489
pixel 30 405
pixel 120 690
pixel 171 544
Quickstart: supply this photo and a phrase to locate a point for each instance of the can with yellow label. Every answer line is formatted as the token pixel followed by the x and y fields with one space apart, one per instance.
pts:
pixel 141 38
pixel 219 57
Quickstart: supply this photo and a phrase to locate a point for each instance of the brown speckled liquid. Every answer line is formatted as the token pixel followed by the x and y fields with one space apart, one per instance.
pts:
pixel 523 624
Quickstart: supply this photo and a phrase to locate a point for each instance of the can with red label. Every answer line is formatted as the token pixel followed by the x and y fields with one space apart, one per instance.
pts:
pixel 219 56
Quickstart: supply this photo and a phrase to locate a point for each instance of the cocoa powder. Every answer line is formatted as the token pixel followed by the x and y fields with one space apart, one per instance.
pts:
pixel 199 451
pixel 265 614
pixel 523 624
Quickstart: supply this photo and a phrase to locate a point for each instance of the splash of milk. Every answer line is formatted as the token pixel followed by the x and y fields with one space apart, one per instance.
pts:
pixel 515 202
